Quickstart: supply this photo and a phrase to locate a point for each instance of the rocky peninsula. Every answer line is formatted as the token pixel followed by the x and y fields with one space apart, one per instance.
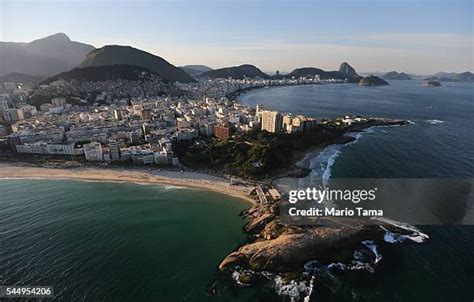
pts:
pixel 284 248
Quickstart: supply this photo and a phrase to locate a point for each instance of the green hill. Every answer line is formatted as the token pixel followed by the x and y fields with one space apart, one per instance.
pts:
pixel 126 55
pixel 236 72
pixel 104 73
pixel 195 70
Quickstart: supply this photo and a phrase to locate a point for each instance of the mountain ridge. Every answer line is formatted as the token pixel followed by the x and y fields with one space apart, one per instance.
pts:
pixel 18 77
pixel 45 56
pixel 236 72
pixel 127 55
pixel 345 71
pixel 103 73
pixel 195 70
pixel 466 76
pixel 395 75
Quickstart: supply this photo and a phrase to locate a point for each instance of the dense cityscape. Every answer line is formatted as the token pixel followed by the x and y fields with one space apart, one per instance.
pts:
pixel 141 127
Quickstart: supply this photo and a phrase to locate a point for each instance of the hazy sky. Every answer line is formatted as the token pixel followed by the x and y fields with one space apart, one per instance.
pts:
pixel 412 36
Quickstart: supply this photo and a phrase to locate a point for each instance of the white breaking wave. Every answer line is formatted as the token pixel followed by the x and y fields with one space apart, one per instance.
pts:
pixel 360 261
pixel 237 273
pixel 336 266
pixel 321 165
pixel 373 247
pixel 416 234
pixel 302 288
pixel 434 122
pixel 295 290
pixel 172 187
pixel 328 171
pixel 311 285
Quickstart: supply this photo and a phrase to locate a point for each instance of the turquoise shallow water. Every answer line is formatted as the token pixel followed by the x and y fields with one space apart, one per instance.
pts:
pixel 115 242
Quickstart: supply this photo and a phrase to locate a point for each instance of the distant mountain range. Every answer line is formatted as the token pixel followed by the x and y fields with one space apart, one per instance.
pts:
pixel 453 77
pixel 103 73
pixel 126 55
pixel 239 72
pixel 32 62
pixel 347 72
pixel 195 70
pixel 21 78
pixel 394 75
pixel 44 57
pixel 236 72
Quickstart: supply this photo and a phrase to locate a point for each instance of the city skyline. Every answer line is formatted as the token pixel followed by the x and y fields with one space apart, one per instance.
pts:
pixel 421 37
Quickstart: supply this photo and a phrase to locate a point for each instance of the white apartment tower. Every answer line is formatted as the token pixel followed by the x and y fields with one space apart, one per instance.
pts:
pixel 93 151
pixel 271 121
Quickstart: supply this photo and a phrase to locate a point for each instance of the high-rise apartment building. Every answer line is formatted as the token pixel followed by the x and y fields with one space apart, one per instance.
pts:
pixel 93 151
pixel 271 121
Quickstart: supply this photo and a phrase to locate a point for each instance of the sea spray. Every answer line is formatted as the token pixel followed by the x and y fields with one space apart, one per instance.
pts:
pixel 416 235
pixel 365 258
pixel 373 247
pixel 322 164
pixel 392 237
pixel 434 122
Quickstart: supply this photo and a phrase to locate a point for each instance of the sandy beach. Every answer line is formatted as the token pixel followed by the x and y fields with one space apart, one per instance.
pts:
pixel 142 176
pixel 305 162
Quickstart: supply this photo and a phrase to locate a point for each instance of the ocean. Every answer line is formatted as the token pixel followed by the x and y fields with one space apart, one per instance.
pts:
pixel 116 242
pixel 438 143
pixel 129 242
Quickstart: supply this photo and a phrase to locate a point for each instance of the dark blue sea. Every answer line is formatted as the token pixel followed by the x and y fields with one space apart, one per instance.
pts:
pixel 438 143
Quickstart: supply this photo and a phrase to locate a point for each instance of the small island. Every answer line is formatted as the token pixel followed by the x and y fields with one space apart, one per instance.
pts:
pixel 432 83
pixel 372 81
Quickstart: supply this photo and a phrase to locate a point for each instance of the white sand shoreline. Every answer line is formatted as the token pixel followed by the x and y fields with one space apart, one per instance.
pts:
pixel 139 176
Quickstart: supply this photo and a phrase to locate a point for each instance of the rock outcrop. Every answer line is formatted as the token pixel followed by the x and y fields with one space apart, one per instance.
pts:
pixel 431 83
pixel 347 70
pixel 372 81
pixel 289 250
